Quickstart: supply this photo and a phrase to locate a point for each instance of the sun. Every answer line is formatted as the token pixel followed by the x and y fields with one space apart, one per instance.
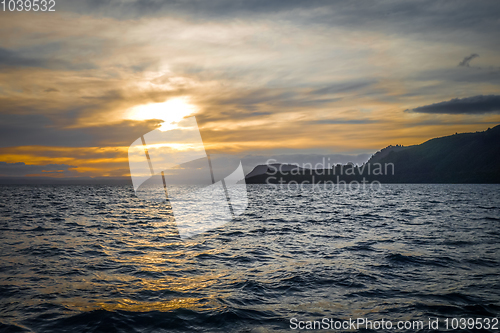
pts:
pixel 171 112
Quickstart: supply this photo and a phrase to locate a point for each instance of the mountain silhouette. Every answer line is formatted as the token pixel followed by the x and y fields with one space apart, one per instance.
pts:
pixel 458 158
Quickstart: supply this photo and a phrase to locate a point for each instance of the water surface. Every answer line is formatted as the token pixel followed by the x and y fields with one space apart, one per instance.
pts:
pixel 92 259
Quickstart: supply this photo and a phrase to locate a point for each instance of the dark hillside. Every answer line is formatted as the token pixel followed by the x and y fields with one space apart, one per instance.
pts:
pixel 459 158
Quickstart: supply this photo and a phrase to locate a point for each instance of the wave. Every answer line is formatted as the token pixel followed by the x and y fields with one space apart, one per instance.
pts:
pixel 93 259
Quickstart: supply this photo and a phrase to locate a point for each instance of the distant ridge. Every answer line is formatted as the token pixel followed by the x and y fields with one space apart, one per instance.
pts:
pixel 112 181
pixel 459 158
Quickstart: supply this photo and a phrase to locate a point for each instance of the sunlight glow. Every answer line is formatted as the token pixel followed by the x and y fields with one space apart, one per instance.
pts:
pixel 171 112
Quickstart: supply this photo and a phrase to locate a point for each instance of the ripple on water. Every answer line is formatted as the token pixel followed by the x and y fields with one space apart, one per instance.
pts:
pixel 79 258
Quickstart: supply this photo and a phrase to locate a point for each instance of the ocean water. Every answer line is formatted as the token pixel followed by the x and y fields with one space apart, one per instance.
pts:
pixel 97 259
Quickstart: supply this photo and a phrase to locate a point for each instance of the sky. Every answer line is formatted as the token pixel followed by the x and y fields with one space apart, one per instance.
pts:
pixel 264 78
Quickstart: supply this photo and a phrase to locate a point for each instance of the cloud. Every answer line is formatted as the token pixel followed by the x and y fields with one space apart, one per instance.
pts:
pixel 414 17
pixel 478 76
pixel 471 105
pixel 344 121
pixel 262 75
pixel 197 8
pixel 10 59
pixel 344 87
pixel 91 161
pixel 22 169
pixel 26 130
pixel 467 60
pixel 251 104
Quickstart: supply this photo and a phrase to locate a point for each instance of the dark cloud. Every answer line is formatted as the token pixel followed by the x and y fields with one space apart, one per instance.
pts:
pixel 196 8
pixel 470 105
pixel 26 130
pixel 423 16
pixel 467 60
pixel 447 122
pixel 120 134
pixel 22 169
pixel 388 10
pixel 12 59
